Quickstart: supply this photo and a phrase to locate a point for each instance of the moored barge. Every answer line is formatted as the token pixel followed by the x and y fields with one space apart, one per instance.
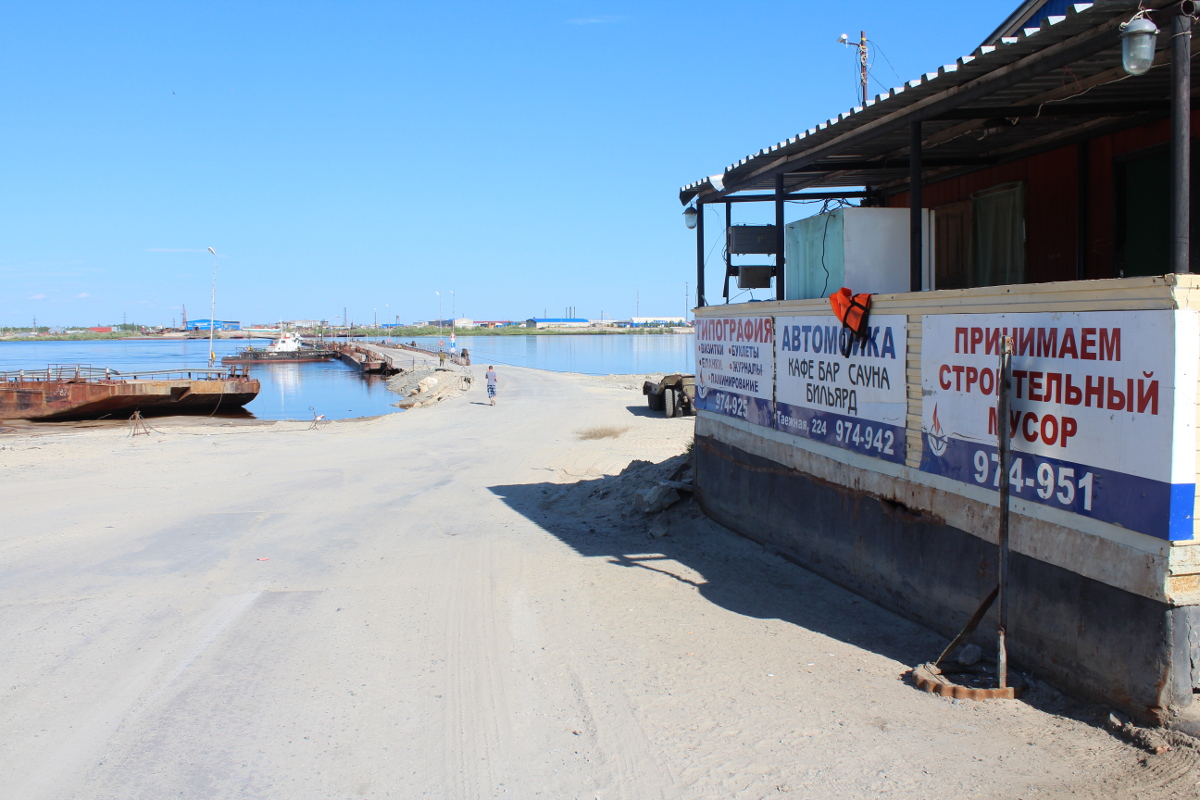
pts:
pixel 60 393
pixel 289 348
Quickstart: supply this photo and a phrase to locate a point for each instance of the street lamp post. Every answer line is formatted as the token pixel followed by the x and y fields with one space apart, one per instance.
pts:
pixel 212 313
pixel 387 313
pixel 439 294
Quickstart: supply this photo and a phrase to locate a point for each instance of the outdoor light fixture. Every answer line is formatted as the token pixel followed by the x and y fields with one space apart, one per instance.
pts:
pixel 1137 44
pixel 689 217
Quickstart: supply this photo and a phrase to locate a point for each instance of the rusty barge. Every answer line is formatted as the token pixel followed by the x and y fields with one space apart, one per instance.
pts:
pixel 367 360
pixel 60 393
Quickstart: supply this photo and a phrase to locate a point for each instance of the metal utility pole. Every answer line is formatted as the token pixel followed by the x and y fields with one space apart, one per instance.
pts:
pixel 212 313
pixel 637 304
pixel 1181 142
pixel 862 65
pixel 862 60
pixel 439 294
pixel 1005 448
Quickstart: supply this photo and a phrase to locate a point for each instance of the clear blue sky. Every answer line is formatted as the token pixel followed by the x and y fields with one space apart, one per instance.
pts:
pixel 526 156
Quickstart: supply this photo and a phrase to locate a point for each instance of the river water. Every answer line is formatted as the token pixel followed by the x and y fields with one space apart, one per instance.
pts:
pixel 339 391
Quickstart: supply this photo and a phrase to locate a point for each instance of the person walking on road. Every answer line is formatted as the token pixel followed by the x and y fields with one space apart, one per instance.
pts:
pixel 491 382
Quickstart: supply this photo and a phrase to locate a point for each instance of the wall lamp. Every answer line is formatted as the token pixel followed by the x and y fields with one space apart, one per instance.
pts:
pixel 1138 37
pixel 689 217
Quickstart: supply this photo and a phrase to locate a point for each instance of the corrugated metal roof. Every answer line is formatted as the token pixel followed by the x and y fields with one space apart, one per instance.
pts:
pixel 871 133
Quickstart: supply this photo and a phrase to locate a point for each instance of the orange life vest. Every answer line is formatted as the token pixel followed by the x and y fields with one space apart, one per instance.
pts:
pixel 852 310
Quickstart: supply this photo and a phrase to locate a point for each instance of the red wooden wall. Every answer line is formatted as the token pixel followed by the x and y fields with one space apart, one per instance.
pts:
pixel 1050 200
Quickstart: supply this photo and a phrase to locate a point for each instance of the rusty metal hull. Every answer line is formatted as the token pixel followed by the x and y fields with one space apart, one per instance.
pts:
pixel 367 361
pixel 59 400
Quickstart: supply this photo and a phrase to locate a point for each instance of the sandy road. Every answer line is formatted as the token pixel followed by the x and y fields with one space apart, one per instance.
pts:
pixel 397 608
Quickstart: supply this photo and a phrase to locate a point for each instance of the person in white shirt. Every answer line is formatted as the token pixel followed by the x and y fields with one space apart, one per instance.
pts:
pixel 491 382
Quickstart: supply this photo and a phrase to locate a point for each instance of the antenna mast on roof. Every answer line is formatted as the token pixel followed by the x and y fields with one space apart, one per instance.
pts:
pixel 862 64
pixel 862 60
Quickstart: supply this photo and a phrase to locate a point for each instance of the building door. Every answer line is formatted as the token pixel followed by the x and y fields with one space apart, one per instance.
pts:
pixel 952 245
pixel 1143 235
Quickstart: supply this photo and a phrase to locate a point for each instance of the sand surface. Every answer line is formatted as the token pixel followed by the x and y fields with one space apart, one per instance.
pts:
pixel 430 605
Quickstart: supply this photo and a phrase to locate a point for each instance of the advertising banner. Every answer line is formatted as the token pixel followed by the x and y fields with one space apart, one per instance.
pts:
pixel 1102 417
pixel 735 367
pixel 857 402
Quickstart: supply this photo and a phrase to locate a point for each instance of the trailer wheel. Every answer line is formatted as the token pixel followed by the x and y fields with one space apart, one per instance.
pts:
pixel 669 408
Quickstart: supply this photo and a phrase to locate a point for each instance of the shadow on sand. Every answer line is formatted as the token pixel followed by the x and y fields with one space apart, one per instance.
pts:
pixel 597 520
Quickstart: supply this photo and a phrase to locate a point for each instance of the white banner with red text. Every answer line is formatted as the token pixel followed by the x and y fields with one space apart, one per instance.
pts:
pixel 1102 411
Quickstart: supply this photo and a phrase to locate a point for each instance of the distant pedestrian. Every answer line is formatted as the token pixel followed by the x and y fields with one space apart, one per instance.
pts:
pixel 441 358
pixel 491 382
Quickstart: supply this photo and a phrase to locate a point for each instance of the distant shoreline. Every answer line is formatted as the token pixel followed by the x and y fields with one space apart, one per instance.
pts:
pixel 395 333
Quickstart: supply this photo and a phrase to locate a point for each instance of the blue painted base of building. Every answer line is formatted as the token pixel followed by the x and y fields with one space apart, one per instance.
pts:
pixel 1090 639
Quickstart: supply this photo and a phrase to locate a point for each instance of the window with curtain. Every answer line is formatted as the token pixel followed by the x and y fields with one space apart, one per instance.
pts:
pixel 997 236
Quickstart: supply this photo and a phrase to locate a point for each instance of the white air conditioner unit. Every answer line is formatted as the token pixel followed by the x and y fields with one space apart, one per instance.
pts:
pixel 864 249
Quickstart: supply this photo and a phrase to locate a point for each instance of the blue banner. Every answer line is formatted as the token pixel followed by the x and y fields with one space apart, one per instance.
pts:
pixel 868 437
pixel 1147 506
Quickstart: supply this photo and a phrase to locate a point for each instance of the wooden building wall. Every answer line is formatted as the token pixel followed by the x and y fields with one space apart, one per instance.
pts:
pixel 1051 196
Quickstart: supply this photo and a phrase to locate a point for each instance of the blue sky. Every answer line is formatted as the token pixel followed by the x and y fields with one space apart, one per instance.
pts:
pixel 525 156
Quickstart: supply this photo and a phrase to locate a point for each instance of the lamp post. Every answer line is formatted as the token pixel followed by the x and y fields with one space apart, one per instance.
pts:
pixel 387 313
pixel 376 312
pixel 212 312
pixel 439 294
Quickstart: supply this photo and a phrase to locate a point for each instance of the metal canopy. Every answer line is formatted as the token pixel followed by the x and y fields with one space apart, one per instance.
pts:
pixel 1044 88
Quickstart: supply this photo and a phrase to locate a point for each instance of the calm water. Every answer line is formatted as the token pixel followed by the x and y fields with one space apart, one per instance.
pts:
pixel 618 354
pixel 339 391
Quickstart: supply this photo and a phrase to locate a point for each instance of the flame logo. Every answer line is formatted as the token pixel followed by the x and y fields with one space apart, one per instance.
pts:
pixel 935 437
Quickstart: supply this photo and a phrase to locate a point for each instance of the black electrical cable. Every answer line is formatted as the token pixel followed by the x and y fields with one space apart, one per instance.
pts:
pixel 825 210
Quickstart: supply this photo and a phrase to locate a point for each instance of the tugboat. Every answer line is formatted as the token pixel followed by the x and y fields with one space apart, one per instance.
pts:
pixel 289 347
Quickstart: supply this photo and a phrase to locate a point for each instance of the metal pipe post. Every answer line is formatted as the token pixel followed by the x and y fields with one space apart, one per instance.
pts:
pixel 728 256
pixel 914 205
pixel 1081 210
pixel 1181 142
pixel 1004 445
pixel 779 198
pixel 699 254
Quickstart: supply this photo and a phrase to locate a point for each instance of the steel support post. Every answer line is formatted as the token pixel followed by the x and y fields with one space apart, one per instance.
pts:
pixel 699 254
pixel 1081 210
pixel 728 256
pixel 779 200
pixel 914 207
pixel 1181 142
pixel 1005 447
